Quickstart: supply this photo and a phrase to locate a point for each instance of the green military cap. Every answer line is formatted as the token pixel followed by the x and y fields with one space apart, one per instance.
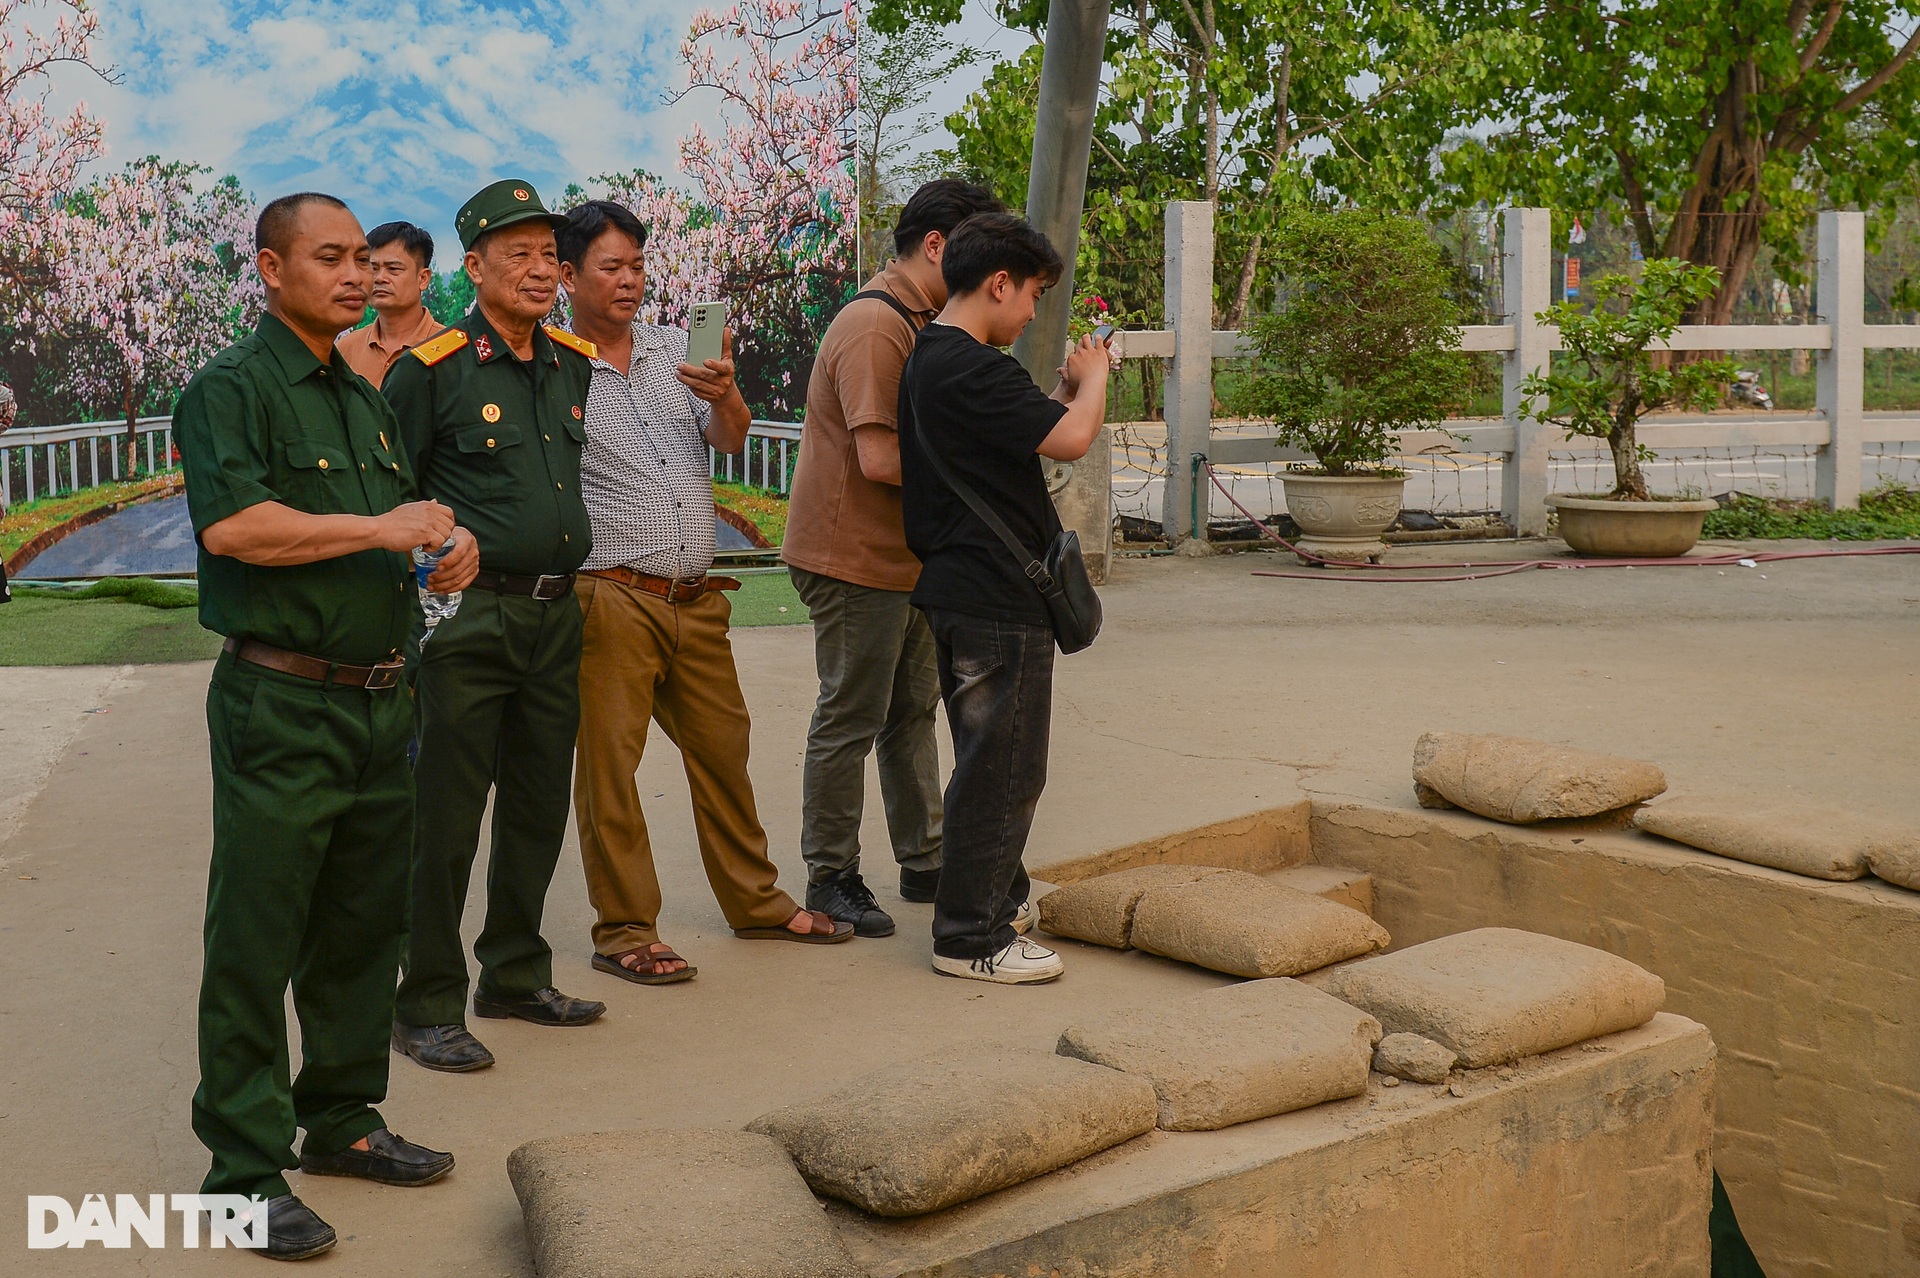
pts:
pixel 502 203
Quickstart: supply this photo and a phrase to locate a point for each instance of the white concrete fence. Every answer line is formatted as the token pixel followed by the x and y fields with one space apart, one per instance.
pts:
pixel 1838 430
pixel 43 461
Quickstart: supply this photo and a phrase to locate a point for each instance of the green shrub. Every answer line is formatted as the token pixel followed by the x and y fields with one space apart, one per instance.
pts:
pixel 1363 343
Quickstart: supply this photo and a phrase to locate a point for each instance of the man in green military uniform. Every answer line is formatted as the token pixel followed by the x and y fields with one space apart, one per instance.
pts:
pixel 305 512
pixel 492 416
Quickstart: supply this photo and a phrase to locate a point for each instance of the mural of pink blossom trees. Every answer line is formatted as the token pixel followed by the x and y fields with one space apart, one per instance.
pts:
pixel 768 225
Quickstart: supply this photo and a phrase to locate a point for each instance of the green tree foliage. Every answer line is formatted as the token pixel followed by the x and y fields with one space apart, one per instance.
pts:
pixel 450 296
pixel 1606 380
pixel 1259 106
pixel 1364 340
pixel 1720 125
pixel 895 74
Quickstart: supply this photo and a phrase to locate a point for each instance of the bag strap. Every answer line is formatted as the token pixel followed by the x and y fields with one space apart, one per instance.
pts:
pixel 1035 570
pixel 881 295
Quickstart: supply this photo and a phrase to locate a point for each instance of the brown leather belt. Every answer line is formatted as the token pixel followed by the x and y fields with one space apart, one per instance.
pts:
pixel 544 588
pixel 318 669
pixel 675 590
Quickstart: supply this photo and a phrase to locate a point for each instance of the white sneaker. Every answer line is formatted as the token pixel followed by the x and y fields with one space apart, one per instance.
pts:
pixel 1023 921
pixel 1022 963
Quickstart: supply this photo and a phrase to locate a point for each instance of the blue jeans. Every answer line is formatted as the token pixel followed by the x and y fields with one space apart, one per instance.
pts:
pixel 997 680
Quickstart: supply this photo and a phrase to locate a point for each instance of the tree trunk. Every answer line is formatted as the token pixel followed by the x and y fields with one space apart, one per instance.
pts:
pixel 133 426
pixel 1629 480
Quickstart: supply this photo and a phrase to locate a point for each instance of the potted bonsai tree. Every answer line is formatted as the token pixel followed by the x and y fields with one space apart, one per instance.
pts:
pixel 1604 382
pixel 1362 344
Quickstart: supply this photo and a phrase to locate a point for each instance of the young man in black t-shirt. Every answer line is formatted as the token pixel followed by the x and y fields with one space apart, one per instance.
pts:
pixel 980 411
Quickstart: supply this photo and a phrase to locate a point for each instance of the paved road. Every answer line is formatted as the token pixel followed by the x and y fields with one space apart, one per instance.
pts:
pixel 153 538
pixel 156 538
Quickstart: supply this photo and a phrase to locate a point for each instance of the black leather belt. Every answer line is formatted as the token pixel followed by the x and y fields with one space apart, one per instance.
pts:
pixel 546 588
pixel 319 669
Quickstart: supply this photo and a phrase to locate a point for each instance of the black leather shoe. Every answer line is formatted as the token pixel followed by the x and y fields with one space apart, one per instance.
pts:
pixel 387 1160
pixel 448 1048
pixel 919 886
pixel 847 899
pixel 542 1007
pixel 294 1232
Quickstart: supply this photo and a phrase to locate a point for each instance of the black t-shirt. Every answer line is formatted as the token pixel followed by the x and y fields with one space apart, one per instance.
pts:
pixel 978 407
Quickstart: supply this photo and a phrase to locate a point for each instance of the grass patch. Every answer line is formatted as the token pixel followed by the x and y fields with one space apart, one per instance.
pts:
pixel 764 509
pixel 1888 513
pixel 762 597
pixel 108 623
pixel 23 521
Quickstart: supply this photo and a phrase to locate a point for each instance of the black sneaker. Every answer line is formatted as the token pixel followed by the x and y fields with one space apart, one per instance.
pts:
pixel 847 899
pixel 919 886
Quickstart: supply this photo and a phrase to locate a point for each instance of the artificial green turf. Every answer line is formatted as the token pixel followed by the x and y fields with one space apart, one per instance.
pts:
pixel 761 597
pixel 132 622
pixel 44 629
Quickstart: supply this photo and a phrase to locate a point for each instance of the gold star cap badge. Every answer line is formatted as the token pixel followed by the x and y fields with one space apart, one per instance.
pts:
pixel 491 412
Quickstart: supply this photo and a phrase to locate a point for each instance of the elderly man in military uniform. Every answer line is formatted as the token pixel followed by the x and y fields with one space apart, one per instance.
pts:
pixel 492 415
pixel 305 512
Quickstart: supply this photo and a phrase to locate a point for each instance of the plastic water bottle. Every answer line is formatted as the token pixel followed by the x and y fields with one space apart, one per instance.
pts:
pixel 438 606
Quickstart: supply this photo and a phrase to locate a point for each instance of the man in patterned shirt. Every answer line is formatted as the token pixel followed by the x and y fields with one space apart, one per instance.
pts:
pixel 655 645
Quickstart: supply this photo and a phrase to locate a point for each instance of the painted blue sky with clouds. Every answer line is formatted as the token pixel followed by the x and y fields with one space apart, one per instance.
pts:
pixel 403 108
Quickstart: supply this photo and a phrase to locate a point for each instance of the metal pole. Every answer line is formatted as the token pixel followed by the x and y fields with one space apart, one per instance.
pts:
pixel 1840 290
pixel 1062 143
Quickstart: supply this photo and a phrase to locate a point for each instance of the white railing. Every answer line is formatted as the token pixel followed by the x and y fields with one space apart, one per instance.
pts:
pixel 772 448
pixel 43 461
pixel 1837 430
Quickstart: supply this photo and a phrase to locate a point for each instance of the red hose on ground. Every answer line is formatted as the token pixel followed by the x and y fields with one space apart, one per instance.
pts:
pixel 1508 567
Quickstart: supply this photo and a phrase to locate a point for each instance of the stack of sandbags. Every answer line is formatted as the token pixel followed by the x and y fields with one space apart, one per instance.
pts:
pixel 1821 843
pixel 916 1137
pixel 1226 920
pixel 1495 994
pixel 671 1204
pixel 1520 782
pixel 1235 1054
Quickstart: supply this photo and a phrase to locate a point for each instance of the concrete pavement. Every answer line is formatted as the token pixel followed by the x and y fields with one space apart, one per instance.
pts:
pixel 1212 693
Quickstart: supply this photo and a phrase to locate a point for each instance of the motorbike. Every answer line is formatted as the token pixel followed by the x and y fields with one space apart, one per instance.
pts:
pixel 1746 389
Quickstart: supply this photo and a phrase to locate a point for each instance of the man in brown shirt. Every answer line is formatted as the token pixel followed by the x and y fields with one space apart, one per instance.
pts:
pixel 848 555
pixel 402 270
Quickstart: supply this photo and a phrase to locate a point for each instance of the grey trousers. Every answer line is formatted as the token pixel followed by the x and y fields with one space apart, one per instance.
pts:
pixel 879 684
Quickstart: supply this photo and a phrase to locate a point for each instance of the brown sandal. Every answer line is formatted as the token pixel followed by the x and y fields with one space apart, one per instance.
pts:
pixel 837 931
pixel 653 956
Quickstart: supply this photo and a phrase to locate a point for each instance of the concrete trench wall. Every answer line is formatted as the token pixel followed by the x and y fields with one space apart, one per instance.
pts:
pixel 1810 989
pixel 1588 1162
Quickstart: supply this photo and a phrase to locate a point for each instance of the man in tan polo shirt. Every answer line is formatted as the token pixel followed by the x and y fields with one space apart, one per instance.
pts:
pixel 402 269
pixel 848 555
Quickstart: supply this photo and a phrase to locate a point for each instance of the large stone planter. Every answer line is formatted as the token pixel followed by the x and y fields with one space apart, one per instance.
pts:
pixel 1630 529
pixel 1343 515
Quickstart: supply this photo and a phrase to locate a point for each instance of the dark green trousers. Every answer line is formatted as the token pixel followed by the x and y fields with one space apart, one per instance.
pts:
pixel 312 821
pixel 498 697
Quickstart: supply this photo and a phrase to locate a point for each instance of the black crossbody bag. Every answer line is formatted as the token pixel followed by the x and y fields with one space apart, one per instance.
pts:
pixel 1060 575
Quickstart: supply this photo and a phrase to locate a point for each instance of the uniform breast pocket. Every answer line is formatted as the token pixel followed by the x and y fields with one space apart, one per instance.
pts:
pixel 312 466
pixel 488 451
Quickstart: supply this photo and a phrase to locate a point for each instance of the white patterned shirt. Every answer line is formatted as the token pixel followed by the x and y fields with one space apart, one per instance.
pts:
pixel 646 475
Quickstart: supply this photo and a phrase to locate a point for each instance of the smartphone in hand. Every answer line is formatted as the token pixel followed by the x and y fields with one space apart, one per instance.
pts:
pixel 705 323
pixel 1103 334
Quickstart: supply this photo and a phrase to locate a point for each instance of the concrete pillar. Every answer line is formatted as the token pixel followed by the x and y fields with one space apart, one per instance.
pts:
pixel 1528 249
pixel 1086 505
pixel 1189 389
pixel 1839 377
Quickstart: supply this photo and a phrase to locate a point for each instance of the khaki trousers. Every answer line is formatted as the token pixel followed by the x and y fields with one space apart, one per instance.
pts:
pixel 643 658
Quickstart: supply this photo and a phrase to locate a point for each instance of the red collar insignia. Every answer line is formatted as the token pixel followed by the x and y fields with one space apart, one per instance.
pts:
pixel 483 347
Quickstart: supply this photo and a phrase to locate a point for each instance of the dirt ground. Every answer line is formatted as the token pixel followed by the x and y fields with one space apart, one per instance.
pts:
pixel 1213 692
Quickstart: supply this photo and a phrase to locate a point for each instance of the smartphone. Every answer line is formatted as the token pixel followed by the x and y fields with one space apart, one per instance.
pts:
pixel 1103 334
pixel 705 321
